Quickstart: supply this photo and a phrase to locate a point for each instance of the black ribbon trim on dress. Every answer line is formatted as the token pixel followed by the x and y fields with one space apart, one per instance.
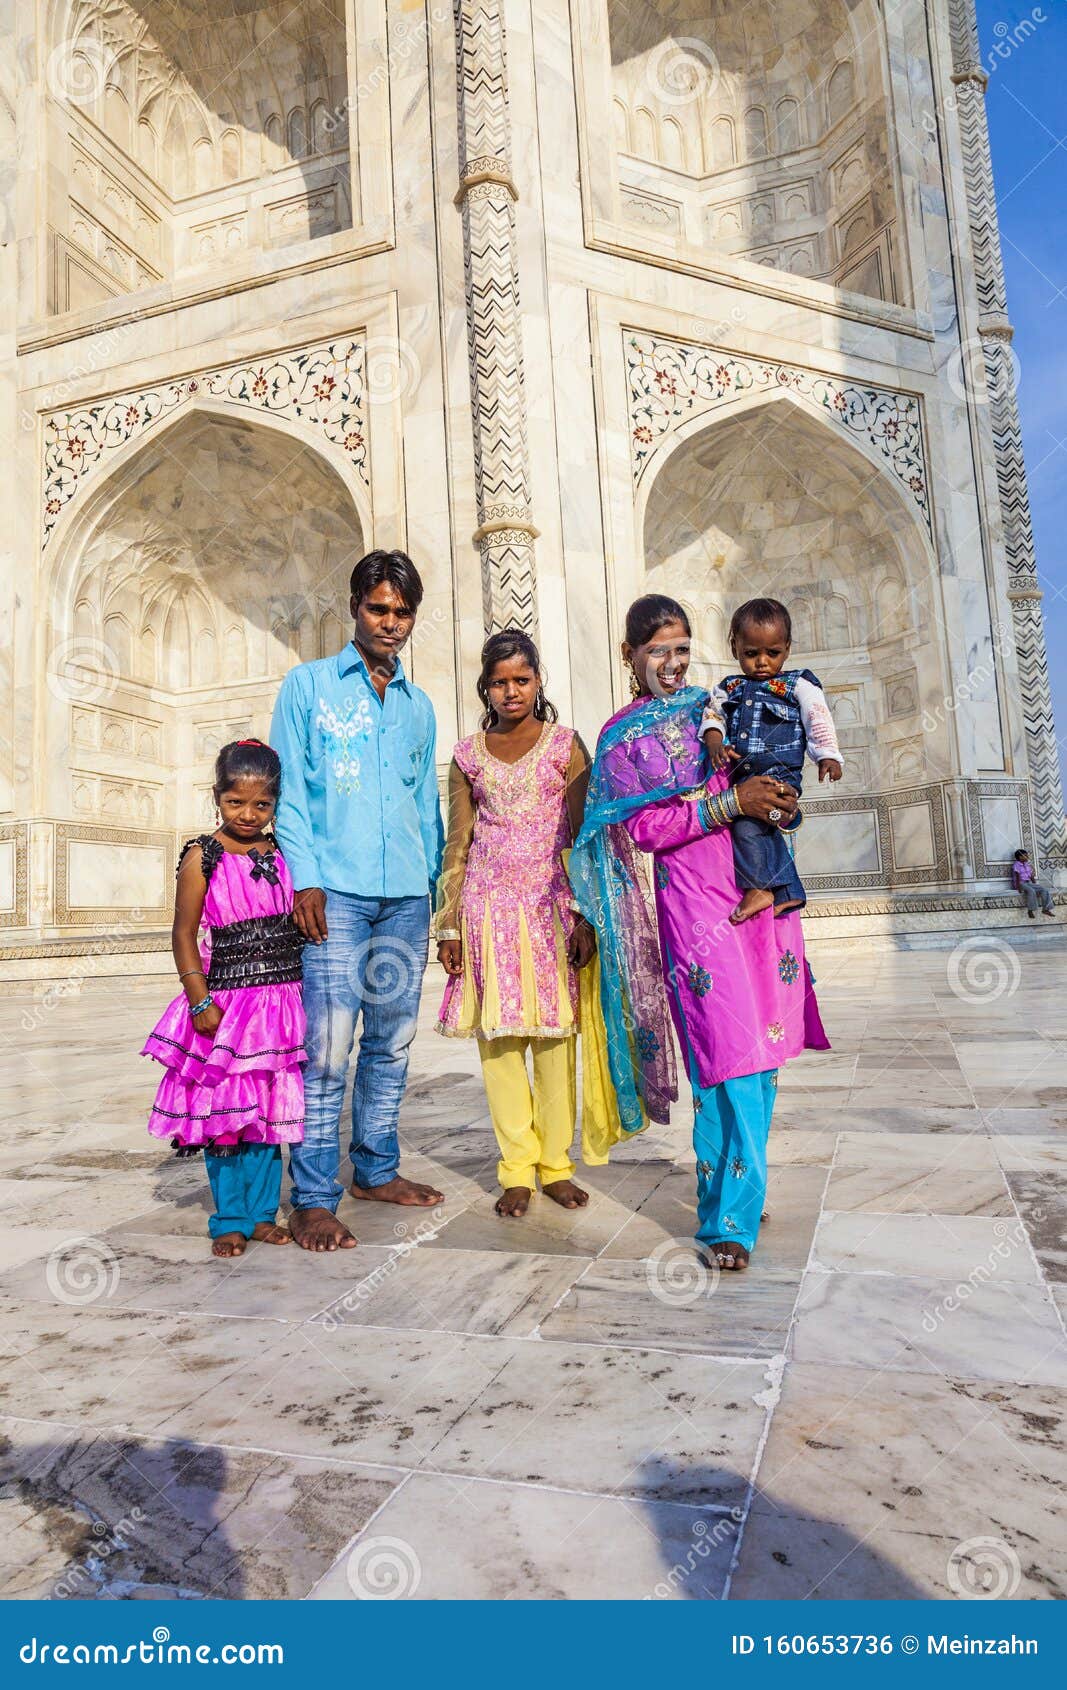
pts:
pixel 265 950
pixel 264 867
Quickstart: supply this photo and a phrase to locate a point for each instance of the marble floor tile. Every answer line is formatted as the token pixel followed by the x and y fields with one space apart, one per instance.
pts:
pixel 28 1244
pixel 993 1331
pixel 477 1291
pixel 615 1192
pixel 925 1246
pixel 677 1303
pixel 529 1543
pixel 178 1518
pixel 920 1452
pixel 131 1368
pixel 356 1393
pixel 787 1557
pixel 1042 1202
pixel 1032 1153
pixel 794 1192
pixel 683 1427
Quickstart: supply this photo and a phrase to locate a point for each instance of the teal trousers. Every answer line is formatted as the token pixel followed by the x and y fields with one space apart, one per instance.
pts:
pixel 246 1187
pixel 730 1139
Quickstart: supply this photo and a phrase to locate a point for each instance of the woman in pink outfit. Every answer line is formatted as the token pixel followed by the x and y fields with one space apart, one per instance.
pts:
pixel 232 1042
pixel 740 997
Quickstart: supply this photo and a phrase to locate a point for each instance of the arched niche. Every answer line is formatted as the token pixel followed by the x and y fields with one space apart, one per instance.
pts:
pixel 768 499
pixel 227 544
pixel 184 133
pixel 778 110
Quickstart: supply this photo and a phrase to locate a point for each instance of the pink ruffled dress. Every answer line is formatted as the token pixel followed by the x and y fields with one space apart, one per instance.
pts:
pixel 243 1082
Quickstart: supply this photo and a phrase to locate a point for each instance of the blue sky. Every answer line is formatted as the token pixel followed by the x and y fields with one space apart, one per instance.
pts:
pixel 1027 107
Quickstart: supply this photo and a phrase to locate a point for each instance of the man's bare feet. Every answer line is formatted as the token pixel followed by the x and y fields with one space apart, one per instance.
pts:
pixel 515 1201
pixel 754 900
pixel 229 1244
pixel 399 1190
pixel 318 1230
pixel 733 1257
pixel 267 1232
pixel 793 904
pixel 566 1194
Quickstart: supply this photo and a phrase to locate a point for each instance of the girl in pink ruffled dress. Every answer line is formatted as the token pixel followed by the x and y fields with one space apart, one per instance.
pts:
pixel 233 1042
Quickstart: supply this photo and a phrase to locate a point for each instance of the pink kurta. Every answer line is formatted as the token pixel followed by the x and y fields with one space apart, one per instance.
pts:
pixel 741 997
pixel 516 906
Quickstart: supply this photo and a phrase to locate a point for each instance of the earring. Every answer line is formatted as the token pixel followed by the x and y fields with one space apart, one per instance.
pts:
pixel 635 685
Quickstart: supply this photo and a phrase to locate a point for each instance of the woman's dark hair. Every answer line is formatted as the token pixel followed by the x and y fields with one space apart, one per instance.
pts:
pixel 1021 853
pixel 248 759
pixel 498 648
pixel 755 611
pixel 647 615
pixel 394 567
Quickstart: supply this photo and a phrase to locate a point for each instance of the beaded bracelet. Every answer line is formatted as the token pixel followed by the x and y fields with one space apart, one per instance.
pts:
pixel 205 1003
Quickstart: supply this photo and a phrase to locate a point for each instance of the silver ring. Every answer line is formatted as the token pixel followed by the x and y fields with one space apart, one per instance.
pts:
pixel 774 816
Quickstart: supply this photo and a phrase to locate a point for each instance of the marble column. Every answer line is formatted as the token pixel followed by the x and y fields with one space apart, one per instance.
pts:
pixel 487 194
pixel 995 332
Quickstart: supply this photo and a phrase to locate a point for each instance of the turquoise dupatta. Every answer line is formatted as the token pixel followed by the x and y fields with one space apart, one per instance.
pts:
pixel 647 752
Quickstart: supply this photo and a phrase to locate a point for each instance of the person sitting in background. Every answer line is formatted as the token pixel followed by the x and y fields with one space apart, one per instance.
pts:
pixel 1029 887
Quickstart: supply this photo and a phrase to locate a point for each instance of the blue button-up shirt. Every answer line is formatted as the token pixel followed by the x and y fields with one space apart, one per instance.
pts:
pixel 359 809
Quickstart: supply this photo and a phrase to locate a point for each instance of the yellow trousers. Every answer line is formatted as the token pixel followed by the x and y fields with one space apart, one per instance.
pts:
pixel 533 1129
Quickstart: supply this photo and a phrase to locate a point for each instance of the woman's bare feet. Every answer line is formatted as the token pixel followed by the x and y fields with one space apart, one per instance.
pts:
pixel 403 1191
pixel 754 900
pixel 733 1257
pixel 515 1201
pixel 229 1244
pixel 566 1194
pixel 267 1232
pixel 318 1230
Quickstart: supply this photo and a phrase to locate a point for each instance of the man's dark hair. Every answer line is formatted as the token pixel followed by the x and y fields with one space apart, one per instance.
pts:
pixel 394 567
pixel 757 611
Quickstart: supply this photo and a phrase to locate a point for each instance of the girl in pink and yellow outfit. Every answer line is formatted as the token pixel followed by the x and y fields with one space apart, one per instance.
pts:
pixel 519 956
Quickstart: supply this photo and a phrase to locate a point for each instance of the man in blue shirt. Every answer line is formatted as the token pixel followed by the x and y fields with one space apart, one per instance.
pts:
pixel 359 823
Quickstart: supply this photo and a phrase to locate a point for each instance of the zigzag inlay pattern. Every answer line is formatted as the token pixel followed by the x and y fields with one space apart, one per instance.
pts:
pixel 1013 495
pixel 501 456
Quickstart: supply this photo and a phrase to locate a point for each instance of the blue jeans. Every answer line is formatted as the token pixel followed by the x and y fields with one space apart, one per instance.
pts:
pixel 246 1186
pixel 763 858
pixel 371 963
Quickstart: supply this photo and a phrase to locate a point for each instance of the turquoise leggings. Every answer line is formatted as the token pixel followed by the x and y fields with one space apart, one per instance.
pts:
pixel 730 1139
pixel 246 1187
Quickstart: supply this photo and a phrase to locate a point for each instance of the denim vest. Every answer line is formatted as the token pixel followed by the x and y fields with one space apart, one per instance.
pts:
pixel 763 722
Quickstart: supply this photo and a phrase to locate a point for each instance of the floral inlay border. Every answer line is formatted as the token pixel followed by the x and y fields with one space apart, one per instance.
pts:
pixel 324 386
pixel 669 381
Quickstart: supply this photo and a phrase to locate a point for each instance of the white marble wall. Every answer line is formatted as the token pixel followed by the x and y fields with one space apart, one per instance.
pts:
pixel 930 708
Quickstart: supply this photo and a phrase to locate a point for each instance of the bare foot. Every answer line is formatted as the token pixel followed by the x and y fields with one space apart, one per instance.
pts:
pixel 399 1190
pixel 515 1201
pixel 229 1244
pixel 266 1232
pixel 754 900
pixel 793 904
pixel 317 1230
pixel 566 1194
pixel 733 1257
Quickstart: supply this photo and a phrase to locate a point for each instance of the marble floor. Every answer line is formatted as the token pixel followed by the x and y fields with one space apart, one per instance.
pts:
pixel 570 1405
